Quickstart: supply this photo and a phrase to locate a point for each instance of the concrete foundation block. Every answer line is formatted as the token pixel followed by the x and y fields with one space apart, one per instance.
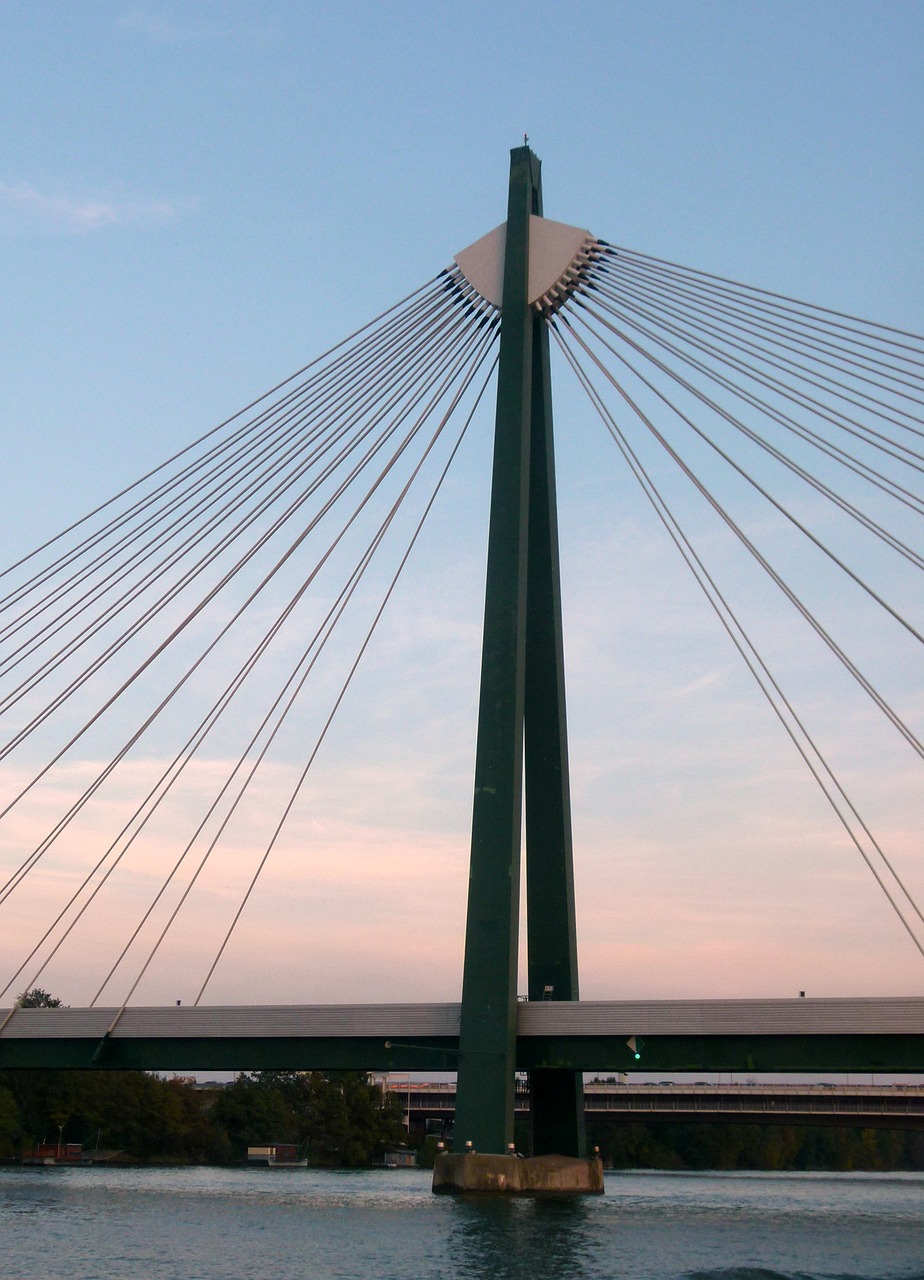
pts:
pixel 471 1173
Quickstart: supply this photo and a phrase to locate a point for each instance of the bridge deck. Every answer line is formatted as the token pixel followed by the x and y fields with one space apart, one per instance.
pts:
pixel 849 1034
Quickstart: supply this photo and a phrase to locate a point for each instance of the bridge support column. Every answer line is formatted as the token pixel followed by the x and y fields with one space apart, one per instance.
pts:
pixel 556 1095
pixel 522 703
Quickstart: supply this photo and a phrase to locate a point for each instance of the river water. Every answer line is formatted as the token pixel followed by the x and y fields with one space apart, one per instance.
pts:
pixel 222 1224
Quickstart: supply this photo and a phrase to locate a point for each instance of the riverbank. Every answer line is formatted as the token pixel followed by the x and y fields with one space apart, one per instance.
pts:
pixel 340 1120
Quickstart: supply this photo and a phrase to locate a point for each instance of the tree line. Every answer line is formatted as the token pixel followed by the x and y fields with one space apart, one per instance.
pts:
pixel 340 1119
pixel 667 1145
pixel 335 1118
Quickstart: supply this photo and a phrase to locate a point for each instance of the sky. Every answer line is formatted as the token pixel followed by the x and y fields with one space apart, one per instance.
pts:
pixel 198 198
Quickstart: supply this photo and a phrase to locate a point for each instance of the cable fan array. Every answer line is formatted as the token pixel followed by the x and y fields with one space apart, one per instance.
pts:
pixel 692 365
pixel 127 625
pixel 195 608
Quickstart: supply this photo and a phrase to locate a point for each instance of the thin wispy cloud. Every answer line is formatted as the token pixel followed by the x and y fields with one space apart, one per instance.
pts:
pixel 164 30
pixel 25 208
pixel 160 28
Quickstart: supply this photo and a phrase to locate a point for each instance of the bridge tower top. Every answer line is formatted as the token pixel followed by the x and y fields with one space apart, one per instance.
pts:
pixel 559 256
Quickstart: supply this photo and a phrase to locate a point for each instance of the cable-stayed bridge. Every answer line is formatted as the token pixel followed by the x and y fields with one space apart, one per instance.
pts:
pixel 186 623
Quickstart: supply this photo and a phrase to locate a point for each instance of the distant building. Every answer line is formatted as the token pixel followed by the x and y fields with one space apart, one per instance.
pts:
pixel 276 1155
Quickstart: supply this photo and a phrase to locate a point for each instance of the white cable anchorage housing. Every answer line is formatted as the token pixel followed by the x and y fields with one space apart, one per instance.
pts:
pixel 559 257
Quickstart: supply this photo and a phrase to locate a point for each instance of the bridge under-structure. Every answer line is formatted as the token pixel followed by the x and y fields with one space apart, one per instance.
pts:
pixel 523 272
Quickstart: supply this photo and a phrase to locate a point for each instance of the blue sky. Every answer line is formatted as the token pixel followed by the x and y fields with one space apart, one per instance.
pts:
pixel 196 199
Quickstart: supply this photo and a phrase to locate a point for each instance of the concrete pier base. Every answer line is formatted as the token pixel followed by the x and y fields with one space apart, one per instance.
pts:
pixel 474 1174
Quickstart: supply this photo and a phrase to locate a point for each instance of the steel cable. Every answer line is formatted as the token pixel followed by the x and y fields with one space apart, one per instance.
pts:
pixel 232 504
pixel 817 409
pixel 739 533
pixel 213 430
pixel 17 877
pixel 744 645
pixel 799 306
pixel 117 644
pixel 337 703
pixel 878 439
pixel 759 488
pixel 850 461
pixel 274 420
pixel 297 679
pixel 779 455
pixel 834 355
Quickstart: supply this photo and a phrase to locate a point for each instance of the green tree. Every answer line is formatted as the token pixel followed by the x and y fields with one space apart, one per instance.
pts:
pixel 663 1145
pixel 249 1114
pixel 10 1124
pixel 373 1122
pixel 38 998
pixel 337 1118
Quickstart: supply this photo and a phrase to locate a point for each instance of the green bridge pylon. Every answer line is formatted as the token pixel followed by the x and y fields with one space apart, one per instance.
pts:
pixel 521 736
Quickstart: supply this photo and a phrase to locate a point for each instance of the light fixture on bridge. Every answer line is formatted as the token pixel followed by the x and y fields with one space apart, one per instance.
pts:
pixel 636 1044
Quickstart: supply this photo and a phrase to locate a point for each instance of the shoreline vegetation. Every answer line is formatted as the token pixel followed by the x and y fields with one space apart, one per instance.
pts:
pixel 342 1120
pixel 337 1119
